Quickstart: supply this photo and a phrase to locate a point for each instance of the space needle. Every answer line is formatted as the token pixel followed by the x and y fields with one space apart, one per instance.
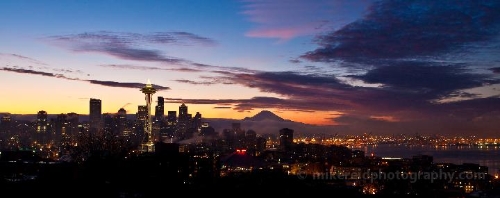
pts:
pixel 148 142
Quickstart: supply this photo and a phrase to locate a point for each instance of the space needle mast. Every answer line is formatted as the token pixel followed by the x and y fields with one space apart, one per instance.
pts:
pixel 148 142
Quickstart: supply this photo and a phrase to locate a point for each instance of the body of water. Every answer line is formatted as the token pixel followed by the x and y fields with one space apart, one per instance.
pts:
pixel 484 156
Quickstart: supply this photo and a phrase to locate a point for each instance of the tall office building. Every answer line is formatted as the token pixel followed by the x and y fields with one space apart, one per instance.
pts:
pixel 142 113
pixel 5 125
pixel 95 115
pixel 197 122
pixel 171 118
pixel 286 139
pixel 160 109
pixel 159 126
pixel 182 122
pixel 41 134
pixel 140 122
pixel 61 127
pixel 121 123
pixel 171 127
pixel 41 122
pixel 183 111
pixel 73 122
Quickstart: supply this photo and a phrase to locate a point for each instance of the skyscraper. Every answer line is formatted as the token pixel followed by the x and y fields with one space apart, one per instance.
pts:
pixel 41 127
pixel 73 121
pixel 41 122
pixel 61 127
pixel 121 122
pixel 183 111
pixel 142 113
pixel 95 115
pixel 171 125
pixel 197 122
pixel 182 122
pixel 286 139
pixel 160 109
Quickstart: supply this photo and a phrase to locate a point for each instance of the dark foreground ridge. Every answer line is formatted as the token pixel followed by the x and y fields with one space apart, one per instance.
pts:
pixel 167 173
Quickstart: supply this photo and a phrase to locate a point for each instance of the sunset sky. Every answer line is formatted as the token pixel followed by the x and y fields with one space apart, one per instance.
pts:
pixel 383 66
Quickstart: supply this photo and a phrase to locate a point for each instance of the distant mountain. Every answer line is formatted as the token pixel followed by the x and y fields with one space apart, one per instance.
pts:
pixel 266 122
pixel 264 115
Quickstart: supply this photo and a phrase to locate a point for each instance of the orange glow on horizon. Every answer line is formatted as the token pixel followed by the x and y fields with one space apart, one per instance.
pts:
pixel 58 96
pixel 208 111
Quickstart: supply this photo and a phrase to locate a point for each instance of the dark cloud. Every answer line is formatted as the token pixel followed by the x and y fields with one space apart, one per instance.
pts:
pixel 184 69
pixel 127 53
pixel 495 70
pixel 287 83
pixel 409 29
pixel 240 104
pixel 34 72
pixel 223 107
pixel 471 117
pixel 28 71
pixel 358 120
pixel 97 82
pixel 434 80
pixel 125 84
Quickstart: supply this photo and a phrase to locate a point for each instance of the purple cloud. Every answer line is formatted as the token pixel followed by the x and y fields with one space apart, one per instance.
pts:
pixel 124 45
pixel 285 20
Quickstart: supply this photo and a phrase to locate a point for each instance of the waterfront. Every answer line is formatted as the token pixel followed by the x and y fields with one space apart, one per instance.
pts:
pixel 482 155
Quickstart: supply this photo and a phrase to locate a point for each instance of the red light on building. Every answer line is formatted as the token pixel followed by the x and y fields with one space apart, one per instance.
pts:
pixel 241 151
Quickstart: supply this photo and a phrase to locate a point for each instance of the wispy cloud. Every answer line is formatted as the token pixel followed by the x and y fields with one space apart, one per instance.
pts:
pixel 208 80
pixel 134 46
pixel 34 72
pixel 137 67
pixel 195 82
pixel 21 57
pixel 223 107
pixel 125 45
pixel 285 20
pixel 97 82
pixel 124 84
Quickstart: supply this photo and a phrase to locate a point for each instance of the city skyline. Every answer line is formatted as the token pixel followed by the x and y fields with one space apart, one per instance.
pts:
pixel 360 65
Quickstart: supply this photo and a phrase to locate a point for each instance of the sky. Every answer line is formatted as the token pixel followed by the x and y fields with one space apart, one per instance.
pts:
pixel 360 65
